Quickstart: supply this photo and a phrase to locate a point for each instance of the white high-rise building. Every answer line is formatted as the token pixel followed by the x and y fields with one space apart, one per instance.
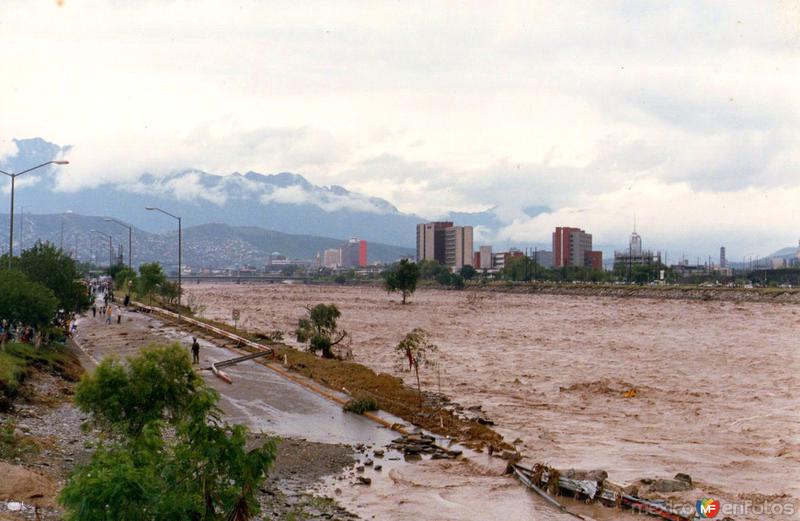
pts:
pixel 486 258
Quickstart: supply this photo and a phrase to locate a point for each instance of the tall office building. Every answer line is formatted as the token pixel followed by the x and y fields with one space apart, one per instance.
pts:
pixel 573 247
pixel 444 243
pixel 458 247
pixel 354 253
pixel 430 241
pixel 485 258
pixel 332 258
pixel 722 260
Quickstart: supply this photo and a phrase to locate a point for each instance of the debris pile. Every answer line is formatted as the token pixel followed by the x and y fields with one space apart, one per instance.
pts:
pixel 414 446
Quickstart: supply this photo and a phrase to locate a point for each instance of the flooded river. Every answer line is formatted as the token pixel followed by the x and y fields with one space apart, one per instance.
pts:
pixel 712 386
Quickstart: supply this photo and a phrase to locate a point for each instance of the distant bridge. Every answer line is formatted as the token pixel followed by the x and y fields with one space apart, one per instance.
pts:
pixel 239 279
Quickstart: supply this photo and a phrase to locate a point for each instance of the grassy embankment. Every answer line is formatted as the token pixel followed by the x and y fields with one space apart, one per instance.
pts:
pixel 19 361
pixel 391 394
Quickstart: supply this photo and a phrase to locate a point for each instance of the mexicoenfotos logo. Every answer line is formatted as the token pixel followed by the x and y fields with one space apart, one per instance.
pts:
pixel 707 507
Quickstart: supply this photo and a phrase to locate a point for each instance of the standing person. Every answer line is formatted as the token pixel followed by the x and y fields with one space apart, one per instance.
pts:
pixel 109 312
pixel 94 310
pixel 195 351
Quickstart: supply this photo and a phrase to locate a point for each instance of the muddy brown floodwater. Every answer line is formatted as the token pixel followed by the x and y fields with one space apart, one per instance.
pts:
pixel 716 382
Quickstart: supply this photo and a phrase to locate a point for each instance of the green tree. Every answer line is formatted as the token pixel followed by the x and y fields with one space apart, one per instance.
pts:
pixel 151 277
pixel 468 272
pixel 520 267
pixel 24 300
pixel 319 329
pixel 457 281
pixel 123 276
pixel 201 471
pixel 417 350
pixel 403 278
pixel 158 384
pixel 431 270
pixel 169 290
pixel 444 277
pixel 54 269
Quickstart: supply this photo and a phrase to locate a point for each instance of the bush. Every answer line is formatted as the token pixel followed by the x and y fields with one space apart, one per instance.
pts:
pixel 361 405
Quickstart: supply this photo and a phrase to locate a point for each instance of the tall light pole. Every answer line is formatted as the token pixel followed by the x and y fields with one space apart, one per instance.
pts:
pixel 110 248
pixel 13 180
pixel 180 246
pixel 130 236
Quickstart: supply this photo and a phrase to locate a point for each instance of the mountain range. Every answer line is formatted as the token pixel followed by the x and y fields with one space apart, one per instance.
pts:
pixel 284 202
pixel 206 245
pixel 277 203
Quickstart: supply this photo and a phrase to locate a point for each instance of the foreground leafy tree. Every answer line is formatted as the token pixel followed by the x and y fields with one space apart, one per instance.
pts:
pixel 201 471
pixel 25 301
pixel 54 269
pixel 403 278
pixel 319 329
pixel 417 350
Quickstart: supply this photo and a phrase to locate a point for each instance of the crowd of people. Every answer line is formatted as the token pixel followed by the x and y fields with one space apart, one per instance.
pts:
pixel 64 324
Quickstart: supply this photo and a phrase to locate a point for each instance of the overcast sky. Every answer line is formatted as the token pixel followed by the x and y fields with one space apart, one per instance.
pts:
pixel 686 114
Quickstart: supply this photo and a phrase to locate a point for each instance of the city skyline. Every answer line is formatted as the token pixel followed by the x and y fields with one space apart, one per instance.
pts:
pixel 549 113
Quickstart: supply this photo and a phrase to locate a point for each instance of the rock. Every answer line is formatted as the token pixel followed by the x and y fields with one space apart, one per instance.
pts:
pixel 364 480
pixel 455 452
pixel 23 484
pixel 669 485
pixel 360 468
pixel 510 455
pixel 412 457
pixel 485 421
pixel 597 475
pixel 368 463
pixel 378 468
pixel 680 476
pixel 418 439
pixel 378 453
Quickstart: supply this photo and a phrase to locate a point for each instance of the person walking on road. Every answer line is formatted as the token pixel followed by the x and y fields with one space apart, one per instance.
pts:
pixel 195 351
pixel 109 312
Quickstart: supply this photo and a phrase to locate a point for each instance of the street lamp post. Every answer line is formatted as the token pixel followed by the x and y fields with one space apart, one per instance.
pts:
pixel 13 182
pixel 130 236
pixel 110 248
pixel 180 247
